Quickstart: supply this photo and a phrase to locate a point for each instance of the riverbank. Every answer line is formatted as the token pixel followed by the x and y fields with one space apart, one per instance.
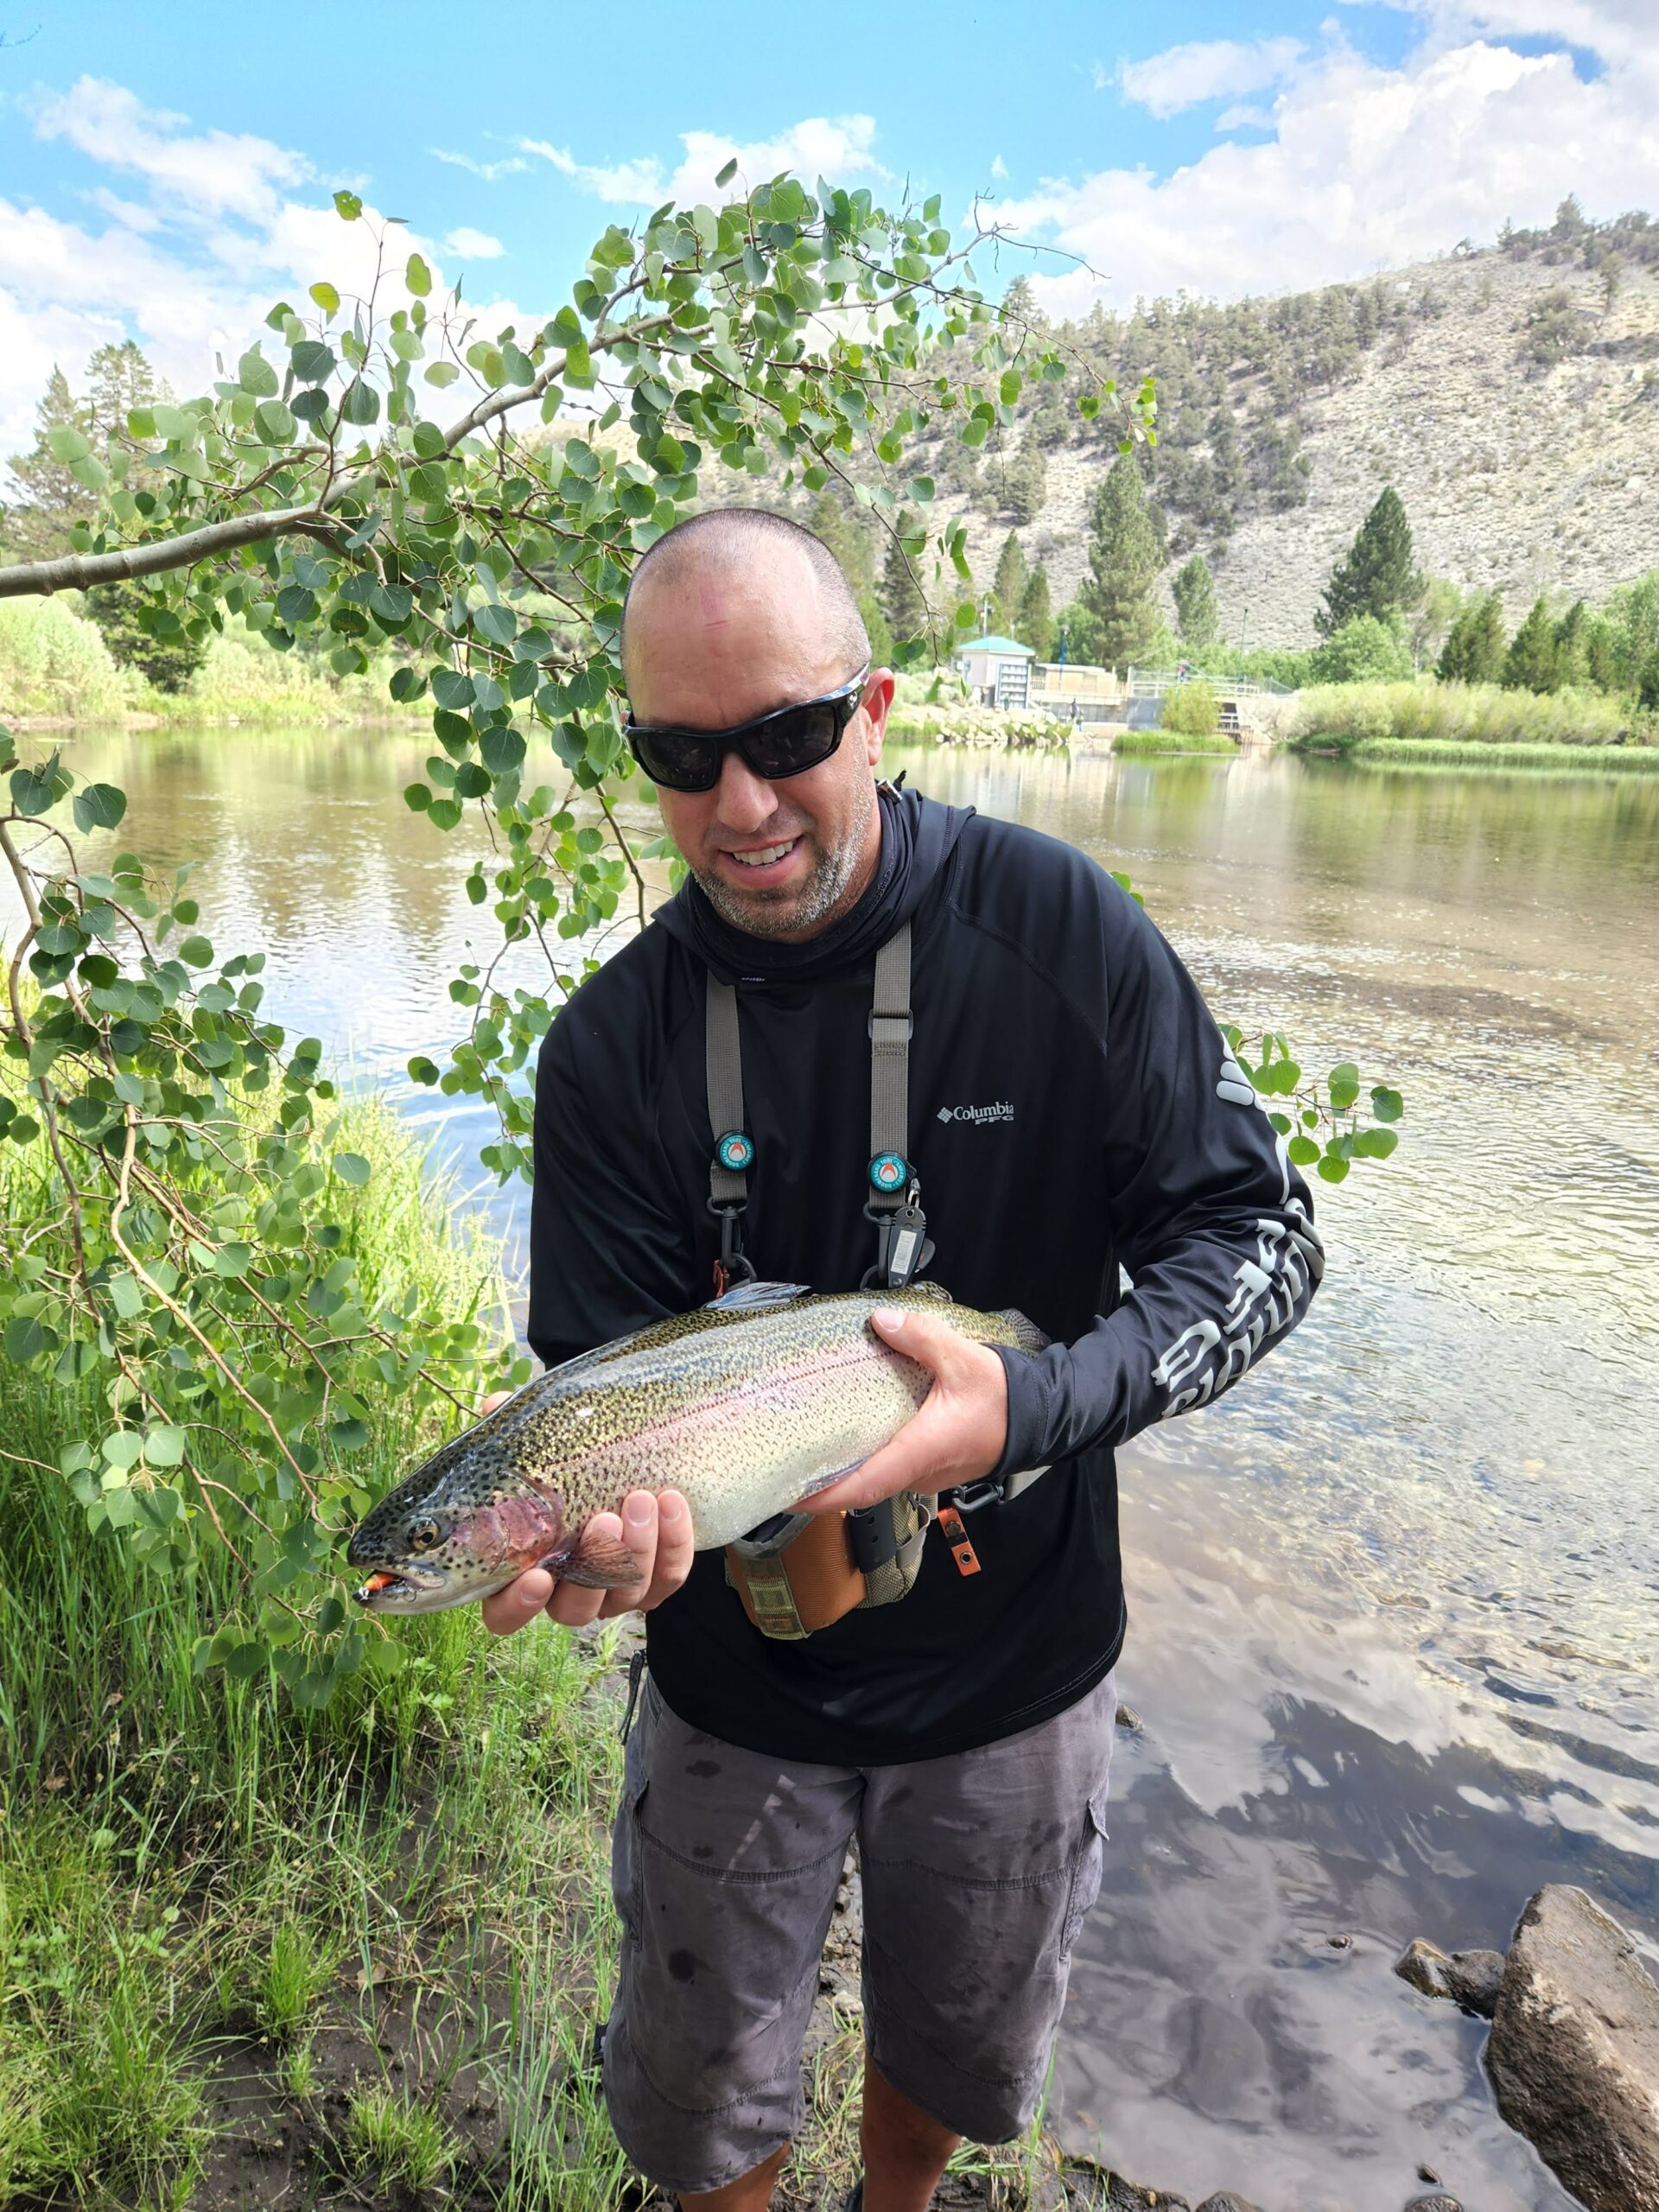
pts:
pixel 1563 759
pixel 1350 717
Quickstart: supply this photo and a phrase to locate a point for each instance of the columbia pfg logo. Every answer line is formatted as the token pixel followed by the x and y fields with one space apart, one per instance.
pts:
pixel 1002 1111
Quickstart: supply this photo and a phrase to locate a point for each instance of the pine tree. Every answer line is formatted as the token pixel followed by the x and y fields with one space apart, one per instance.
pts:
pixel 1375 577
pixel 118 378
pixel 1035 628
pixel 829 521
pixel 1025 481
pixel 1532 663
pixel 1195 604
pixel 1009 588
pixel 1126 554
pixel 39 526
pixel 1572 645
pixel 1473 652
pixel 901 596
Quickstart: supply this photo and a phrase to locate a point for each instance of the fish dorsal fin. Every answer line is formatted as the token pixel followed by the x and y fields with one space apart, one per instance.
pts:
pixel 755 1297
pixel 936 1290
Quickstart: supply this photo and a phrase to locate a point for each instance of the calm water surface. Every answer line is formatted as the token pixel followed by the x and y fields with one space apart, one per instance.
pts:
pixel 1396 1602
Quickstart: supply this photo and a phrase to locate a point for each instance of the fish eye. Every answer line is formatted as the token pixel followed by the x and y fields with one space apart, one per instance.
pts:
pixel 424 1534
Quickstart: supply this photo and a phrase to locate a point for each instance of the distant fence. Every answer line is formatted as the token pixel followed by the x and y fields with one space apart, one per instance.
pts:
pixel 1152 683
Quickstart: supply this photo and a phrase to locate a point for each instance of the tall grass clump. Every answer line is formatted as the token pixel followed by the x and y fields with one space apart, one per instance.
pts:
pixel 1348 717
pixel 1132 741
pixel 244 680
pixel 1191 709
pixel 54 663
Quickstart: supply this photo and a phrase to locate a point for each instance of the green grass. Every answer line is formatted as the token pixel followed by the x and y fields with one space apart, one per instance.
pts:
pixel 396 2143
pixel 1561 759
pixel 1170 741
pixel 1346 716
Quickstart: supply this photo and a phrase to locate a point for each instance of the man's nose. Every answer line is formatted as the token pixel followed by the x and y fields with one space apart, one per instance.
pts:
pixel 744 800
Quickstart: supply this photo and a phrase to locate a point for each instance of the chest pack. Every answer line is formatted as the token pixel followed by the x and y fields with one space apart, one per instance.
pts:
pixel 798 1572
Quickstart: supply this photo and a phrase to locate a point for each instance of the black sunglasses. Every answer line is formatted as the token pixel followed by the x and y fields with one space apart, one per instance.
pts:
pixel 785 742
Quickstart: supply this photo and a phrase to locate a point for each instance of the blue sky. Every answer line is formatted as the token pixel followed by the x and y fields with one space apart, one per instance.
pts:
pixel 166 172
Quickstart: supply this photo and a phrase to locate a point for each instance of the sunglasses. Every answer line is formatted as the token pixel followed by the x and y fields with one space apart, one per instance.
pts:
pixel 786 742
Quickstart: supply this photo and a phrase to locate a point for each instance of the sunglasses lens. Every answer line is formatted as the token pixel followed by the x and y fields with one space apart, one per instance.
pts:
pixel 786 744
pixel 682 759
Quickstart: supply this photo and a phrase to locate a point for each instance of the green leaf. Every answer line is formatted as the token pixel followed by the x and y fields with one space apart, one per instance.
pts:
pixel 348 206
pixel 233 1259
pixel 275 422
pixel 724 175
pixel 1303 1151
pixel 1375 1144
pixel 495 622
pixel 100 806
pixel 352 1167
pixel 256 375
pixel 314 362
pixel 1343 1084
pixel 417 276
pixel 417 798
pixel 1333 1169
pixel 67 443
pixel 196 950
pixel 361 405
pixel 25 1339
pixel 326 297
pixel 441 374
pixel 165 1445
pixel 1387 1105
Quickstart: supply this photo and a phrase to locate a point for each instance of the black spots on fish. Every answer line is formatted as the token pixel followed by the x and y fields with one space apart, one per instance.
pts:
pixel 684 1965
pixel 704 1769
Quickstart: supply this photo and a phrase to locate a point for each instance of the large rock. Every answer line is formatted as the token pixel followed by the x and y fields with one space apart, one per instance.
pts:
pixel 1574 2052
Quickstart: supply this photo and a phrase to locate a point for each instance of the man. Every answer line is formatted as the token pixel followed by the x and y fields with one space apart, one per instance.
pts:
pixel 1071 1105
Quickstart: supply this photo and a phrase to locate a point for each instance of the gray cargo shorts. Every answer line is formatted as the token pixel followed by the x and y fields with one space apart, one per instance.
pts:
pixel 977 1871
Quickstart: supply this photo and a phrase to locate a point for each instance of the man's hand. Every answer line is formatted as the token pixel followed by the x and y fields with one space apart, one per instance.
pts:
pixel 958 1432
pixel 657 1530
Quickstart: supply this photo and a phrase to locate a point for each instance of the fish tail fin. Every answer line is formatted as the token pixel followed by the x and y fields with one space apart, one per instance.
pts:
pixel 1027 1334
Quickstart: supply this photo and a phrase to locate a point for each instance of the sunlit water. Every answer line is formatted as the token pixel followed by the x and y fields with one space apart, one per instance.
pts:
pixel 1396 1602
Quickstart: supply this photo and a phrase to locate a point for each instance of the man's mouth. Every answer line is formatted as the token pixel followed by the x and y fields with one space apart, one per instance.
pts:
pixel 765 855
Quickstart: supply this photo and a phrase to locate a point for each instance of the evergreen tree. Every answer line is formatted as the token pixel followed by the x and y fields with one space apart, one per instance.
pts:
pixel 167 663
pixel 1125 556
pixel 1035 628
pixel 1647 683
pixel 1025 481
pixel 901 598
pixel 1375 577
pixel 1473 652
pixel 1009 588
pixel 830 521
pixel 1532 663
pixel 118 378
pixel 52 502
pixel 1572 645
pixel 1195 604
pixel 1601 654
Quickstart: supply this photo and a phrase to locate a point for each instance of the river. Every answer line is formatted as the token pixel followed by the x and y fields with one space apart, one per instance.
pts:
pixel 1393 1612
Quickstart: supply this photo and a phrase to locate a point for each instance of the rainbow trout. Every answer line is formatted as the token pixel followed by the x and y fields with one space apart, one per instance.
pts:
pixel 744 1406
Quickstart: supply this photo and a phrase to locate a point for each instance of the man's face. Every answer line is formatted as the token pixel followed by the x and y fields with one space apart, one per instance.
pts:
pixel 718 644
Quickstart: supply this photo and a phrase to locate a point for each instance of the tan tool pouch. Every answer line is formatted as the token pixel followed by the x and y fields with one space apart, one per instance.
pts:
pixel 802 1577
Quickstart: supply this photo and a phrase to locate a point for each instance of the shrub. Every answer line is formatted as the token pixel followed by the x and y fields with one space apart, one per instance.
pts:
pixel 54 662
pixel 1351 714
pixel 1191 709
pixel 1363 650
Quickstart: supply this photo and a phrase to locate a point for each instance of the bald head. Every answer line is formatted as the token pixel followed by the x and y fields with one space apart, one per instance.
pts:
pixel 744 553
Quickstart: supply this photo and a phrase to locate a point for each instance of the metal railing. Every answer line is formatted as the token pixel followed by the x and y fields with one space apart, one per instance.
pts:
pixel 1152 683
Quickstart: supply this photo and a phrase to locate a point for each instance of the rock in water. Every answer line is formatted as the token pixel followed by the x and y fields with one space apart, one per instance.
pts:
pixel 1470 1979
pixel 1575 2050
pixel 1224 2201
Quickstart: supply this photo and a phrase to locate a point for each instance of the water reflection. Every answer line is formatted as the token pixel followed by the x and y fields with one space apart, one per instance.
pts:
pixel 1393 1601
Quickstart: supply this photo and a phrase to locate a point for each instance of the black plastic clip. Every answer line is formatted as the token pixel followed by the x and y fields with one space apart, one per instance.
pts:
pixel 873 1532
pixel 902 1245
pixel 968 1498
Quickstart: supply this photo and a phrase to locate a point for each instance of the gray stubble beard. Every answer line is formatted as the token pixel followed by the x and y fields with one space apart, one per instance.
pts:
pixel 815 904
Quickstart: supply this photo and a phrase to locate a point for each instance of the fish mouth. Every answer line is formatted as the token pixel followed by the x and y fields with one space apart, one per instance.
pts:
pixel 405 1590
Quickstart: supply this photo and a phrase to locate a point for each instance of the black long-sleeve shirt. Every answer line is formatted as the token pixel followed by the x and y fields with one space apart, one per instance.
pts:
pixel 1072 1105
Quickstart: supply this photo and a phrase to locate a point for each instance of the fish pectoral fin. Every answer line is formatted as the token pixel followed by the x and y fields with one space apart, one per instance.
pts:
pixel 595 1563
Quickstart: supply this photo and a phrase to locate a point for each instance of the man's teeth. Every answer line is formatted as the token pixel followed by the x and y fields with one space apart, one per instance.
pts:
pixel 765 857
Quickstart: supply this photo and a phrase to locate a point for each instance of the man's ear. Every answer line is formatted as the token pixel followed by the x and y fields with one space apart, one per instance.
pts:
pixel 878 700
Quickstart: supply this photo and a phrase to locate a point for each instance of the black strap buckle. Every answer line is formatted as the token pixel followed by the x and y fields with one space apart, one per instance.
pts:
pixel 873 1532
pixel 731 1268
pixel 968 1498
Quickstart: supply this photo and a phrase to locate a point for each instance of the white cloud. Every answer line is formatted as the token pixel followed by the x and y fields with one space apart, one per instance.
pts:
pixel 835 147
pixel 627 183
pixel 213 172
pixel 468 244
pixel 1371 167
pixel 1244 117
pixel 508 166
pixel 999 168
pixel 1209 69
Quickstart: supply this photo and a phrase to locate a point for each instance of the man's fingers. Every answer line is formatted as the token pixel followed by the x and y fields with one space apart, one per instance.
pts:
pixel 921 1337
pixel 572 1604
pixel 509 1609
pixel 639 1523
pixel 676 1549
pixel 496 1398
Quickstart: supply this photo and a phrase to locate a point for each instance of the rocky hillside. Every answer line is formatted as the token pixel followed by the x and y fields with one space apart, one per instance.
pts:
pixel 1517 470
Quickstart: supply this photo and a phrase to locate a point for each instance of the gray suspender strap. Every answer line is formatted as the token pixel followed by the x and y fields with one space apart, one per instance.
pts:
pixel 733 1153
pixel 891 1024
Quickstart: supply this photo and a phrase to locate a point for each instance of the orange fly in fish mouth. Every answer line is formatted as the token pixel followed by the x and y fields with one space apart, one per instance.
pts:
pixel 366 1593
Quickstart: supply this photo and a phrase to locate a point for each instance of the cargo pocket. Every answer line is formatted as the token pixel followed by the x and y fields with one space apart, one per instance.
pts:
pixel 1086 1869
pixel 627 1856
